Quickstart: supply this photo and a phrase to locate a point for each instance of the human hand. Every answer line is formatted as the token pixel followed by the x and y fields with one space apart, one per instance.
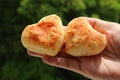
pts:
pixel 104 66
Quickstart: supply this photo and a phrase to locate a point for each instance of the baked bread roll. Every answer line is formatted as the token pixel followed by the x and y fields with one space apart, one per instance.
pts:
pixel 82 40
pixel 45 37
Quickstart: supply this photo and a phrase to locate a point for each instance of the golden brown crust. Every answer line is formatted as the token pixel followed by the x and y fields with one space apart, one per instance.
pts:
pixel 46 34
pixel 82 39
pixel 44 37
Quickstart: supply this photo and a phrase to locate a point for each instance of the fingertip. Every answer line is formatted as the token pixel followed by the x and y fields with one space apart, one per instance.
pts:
pixel 49 60
pixel 30 53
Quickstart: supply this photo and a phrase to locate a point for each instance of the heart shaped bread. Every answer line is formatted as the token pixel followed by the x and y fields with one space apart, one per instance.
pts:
pixel 82 40
pixel 45 37
pixel 48 36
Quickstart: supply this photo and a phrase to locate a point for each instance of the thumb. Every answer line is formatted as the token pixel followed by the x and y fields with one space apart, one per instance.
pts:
pixel 101 25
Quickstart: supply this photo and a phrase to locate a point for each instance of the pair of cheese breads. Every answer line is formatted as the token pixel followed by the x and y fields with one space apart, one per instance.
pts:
pixel 49 35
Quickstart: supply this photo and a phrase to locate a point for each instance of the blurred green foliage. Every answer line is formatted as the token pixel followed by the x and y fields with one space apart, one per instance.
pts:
pixel 15 64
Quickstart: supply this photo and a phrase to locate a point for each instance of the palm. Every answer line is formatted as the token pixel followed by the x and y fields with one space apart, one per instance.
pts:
pixel 102 66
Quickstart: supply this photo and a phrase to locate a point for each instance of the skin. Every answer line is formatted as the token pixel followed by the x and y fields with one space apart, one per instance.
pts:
pixel 104 66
